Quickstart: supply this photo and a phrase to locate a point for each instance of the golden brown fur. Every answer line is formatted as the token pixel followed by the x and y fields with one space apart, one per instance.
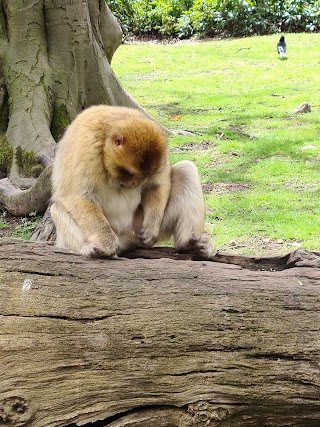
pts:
pixel 114 188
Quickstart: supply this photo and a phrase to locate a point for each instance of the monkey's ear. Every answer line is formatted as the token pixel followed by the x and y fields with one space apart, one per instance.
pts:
pixel 117 139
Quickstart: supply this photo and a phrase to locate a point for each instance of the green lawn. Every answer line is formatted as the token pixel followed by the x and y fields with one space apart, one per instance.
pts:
pixel 259 164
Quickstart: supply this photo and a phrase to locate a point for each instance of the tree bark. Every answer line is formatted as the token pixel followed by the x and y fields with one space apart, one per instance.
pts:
pixel 19 202
pixel 55 58
pixel 158 342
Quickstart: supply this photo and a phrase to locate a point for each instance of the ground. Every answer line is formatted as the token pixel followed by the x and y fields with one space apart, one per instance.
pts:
pixel 11 226
pixel 23 227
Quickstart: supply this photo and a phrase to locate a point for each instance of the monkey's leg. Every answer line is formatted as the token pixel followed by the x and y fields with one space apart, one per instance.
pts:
pixel 68 234
pixel 185 211
pixel 82 227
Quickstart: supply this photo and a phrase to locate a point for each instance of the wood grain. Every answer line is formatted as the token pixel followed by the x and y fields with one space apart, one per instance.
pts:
pixel 155 342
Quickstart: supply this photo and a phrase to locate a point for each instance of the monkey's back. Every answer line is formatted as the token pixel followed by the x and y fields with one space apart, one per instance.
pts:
pixel 78 162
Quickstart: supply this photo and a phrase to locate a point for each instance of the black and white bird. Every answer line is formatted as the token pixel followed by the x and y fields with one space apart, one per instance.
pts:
pixel 282 47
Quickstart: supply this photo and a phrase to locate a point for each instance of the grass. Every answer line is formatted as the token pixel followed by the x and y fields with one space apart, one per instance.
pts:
pixel 236 96
pixel 26 228
pixel 23 228
pixel 3 225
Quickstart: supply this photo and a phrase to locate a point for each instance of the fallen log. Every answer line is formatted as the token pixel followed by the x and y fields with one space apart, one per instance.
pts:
pixel 167 342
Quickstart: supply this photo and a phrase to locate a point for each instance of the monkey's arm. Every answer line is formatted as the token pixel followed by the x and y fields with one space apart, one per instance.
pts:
pixel 154 201
pixel 98 237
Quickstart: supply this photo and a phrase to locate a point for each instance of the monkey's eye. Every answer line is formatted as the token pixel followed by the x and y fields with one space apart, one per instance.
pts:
pixel 124 174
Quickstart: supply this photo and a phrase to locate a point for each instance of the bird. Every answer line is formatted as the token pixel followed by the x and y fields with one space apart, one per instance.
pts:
pixel 282 47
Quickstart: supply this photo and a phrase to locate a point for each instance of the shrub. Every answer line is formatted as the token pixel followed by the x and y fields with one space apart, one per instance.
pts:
pixel 158 17
pixel 183 18
pixel 242 18
pixel 123 10
pixel 300 15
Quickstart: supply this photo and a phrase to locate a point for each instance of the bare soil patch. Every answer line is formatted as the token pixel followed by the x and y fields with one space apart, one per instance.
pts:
pixel 8 224
pixel 260 246
pixel 224 187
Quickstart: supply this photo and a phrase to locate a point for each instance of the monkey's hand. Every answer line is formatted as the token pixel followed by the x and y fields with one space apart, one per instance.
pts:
pixel 96 248
pixel 148 235
pixel 203 245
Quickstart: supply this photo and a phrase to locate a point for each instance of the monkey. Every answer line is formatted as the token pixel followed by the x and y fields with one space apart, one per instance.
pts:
pixel 114 189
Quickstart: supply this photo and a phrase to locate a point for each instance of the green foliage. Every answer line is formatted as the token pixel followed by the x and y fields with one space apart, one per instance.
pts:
pixel 124 11
pixel 157 17
pixel 183 18
pixel 3 225
pixel 25 161
pixel 231 17
pixel 6 156
pixel 18 227
pixel 27 226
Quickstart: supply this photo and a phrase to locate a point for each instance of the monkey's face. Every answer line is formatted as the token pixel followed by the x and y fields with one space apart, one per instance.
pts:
pixel 127 178
pixel 124 168
pixel 132 158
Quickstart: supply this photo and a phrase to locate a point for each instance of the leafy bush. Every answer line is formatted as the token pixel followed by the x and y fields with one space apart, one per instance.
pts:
pixel 124 12
pixel 158 17
pixel 300 15
pixel 242 18
pixel 184 18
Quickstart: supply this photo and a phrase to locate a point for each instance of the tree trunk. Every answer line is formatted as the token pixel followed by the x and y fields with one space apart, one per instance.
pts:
pixel 165 343
pixel 55 58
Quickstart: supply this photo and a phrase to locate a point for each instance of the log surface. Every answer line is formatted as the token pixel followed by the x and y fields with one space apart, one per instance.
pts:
pixel 156 342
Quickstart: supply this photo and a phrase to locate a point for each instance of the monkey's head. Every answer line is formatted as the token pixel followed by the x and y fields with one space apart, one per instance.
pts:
pixel 134 151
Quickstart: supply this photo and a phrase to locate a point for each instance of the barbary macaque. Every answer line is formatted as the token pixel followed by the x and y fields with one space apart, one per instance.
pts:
pixel 114 188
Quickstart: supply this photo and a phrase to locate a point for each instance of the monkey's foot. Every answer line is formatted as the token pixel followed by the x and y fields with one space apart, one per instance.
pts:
pixel 92 250
pixel 202 245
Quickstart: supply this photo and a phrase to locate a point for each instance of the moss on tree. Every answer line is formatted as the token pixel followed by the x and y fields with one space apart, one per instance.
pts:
pixel 61 120
pixel 6 156
pixel 10 105
pixel 25 161
pixel 4 111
